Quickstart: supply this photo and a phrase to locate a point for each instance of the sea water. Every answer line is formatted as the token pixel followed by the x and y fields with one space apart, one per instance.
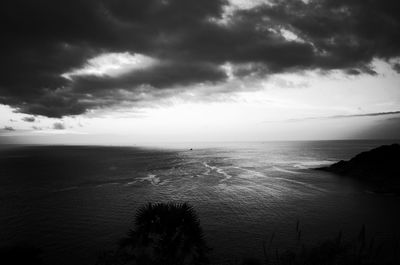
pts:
pixel 74 202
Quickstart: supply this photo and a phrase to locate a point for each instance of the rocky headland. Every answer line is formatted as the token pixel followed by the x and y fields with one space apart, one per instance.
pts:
pixel 379 167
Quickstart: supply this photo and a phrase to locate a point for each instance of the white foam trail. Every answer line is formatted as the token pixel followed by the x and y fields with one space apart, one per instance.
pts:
pixel 162 183
pixel 300 167
pixel 308 164
pixel 152 179
pixel 109 183
pixel 252 172
pixel 284 170
pixel 218 170
pixel 227 176
pixel 208 166
pixel 130 183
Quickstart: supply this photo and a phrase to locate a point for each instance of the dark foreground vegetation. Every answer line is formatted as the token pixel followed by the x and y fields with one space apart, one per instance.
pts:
pixel 170 234
pixel 379 167
pixel 336 251
pixel 164 233
pixel 23 254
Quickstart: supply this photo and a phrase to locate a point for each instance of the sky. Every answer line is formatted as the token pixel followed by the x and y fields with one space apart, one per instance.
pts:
pixel 133 72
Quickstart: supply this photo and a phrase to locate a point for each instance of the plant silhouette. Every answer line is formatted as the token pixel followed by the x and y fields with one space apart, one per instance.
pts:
pixel 20 254
pixel 165 233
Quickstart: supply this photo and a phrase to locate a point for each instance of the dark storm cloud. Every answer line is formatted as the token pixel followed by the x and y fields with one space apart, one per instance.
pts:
pixel 348 116
pixel 368 114
pixel 43 39
pixel 58 126
pixel 9 128
pixel 29 119
pixel 396 67
pixel 161 76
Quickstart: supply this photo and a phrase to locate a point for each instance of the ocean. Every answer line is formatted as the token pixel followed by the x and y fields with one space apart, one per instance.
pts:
pixel 73 202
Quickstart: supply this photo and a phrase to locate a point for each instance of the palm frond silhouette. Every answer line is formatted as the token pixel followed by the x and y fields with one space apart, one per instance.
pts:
pixel 166 233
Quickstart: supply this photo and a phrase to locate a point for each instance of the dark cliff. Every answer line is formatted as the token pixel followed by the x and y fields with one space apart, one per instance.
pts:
pixel 379 167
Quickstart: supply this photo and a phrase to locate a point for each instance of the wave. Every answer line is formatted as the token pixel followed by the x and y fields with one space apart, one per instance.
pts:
pixel 131 182
pixel 307 185
pixel 311 164
pixel 153 179
pixel 275 188
pixel 218 170
pixel 253 172
pixel 66 189
pixel 98 184
pixel 284 170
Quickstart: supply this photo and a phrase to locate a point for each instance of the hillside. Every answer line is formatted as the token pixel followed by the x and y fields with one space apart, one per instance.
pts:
pixel 379 167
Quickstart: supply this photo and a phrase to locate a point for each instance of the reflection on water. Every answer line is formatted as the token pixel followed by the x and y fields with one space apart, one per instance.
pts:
pixel 75 201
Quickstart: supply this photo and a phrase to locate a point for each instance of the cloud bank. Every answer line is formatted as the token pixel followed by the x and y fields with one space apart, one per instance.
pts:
pixel 374 114
pixel 51 50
